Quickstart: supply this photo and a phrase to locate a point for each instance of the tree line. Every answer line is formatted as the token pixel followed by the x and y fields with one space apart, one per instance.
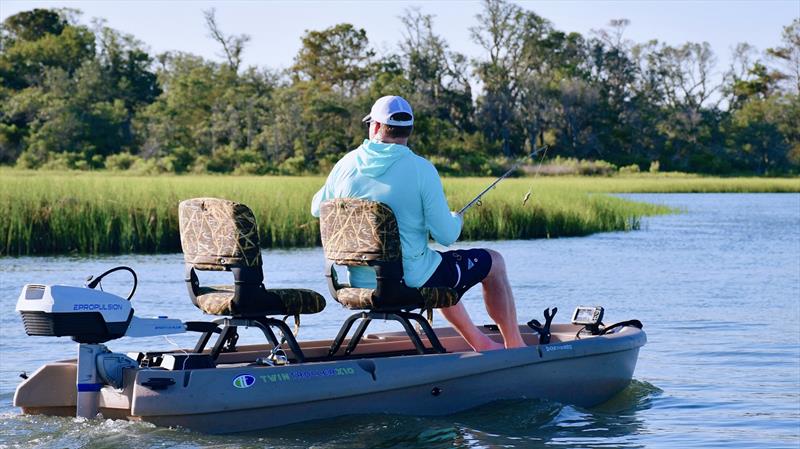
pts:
pixel 75 96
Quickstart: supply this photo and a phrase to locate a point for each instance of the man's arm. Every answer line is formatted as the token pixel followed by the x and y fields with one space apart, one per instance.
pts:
pixel 444 226
pixel 319 197
pixel 324 193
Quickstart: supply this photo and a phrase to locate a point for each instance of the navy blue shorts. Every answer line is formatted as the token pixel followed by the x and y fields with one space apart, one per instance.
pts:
pixel 461 269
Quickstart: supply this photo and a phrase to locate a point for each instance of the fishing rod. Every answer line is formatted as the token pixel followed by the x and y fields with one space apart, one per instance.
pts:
pixel 477 199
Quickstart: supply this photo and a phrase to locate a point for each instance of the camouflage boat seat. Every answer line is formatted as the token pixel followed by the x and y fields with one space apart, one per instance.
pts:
pixel 364 233
pixel 221 235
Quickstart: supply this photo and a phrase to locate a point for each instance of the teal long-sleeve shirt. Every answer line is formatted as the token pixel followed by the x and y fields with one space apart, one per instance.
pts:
pixel 410 185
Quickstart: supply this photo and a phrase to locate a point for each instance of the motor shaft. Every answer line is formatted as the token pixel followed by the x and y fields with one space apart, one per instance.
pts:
pixel 88 382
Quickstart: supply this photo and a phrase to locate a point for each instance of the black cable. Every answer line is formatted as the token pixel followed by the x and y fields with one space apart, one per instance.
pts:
pixel 94 282
pixel 578 334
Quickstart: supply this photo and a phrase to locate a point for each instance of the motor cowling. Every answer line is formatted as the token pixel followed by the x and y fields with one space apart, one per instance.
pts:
pixel 86 315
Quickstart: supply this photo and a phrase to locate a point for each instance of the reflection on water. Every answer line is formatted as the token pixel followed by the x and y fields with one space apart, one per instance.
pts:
pixel 716 288
pixel 518 423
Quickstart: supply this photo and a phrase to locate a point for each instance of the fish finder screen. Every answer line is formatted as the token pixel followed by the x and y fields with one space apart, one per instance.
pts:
pixel 587 315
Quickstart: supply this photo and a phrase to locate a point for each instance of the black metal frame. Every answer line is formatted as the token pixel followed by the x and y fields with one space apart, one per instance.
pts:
pixel 391 292
pixel 249 296
pixel 393 295
pixel 402 317
pixel 228 335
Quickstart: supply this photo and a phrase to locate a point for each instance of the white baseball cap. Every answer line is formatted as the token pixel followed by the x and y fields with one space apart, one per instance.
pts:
pixel 383 110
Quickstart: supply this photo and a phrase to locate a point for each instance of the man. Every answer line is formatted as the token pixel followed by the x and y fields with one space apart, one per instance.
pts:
pixel 384 169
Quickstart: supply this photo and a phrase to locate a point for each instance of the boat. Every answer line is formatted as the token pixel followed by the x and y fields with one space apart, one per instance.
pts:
pixel 228 388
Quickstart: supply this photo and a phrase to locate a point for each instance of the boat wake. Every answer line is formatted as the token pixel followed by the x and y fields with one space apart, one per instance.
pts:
pixel 637 396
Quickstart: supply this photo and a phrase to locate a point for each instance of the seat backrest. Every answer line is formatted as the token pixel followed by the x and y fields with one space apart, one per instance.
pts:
pixel 359 232
pixel 221 235
pixel 218 234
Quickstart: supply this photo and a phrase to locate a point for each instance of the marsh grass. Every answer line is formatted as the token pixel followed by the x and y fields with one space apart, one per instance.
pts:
pixel 92 213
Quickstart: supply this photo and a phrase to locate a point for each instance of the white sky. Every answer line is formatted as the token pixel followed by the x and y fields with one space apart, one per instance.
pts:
pixel 276 26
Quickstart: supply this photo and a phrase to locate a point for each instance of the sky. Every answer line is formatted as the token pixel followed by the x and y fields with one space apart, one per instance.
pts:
pixel 276 27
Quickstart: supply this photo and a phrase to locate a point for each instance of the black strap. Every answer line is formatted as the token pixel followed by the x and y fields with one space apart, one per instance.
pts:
pixel 633 323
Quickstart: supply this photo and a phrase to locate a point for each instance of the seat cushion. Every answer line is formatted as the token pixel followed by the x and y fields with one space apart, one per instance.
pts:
pixel 218 300
pixel 299 301
pixel 432 298
pixel 439 297
pixel 355 298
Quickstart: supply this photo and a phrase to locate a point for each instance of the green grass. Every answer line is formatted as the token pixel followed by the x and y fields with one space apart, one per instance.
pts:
pixel 92 213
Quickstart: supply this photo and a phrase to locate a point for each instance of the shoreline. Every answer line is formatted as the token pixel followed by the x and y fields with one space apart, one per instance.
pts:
pixel 67 213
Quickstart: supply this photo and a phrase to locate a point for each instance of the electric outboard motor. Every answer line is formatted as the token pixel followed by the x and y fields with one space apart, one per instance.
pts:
pixel 85 314
pixel 90 317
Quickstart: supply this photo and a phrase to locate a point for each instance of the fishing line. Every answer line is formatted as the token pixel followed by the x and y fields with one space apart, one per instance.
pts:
pixel 477 200
pixel 535 174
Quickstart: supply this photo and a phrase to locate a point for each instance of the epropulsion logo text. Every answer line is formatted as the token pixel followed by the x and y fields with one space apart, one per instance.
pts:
pixel 100 307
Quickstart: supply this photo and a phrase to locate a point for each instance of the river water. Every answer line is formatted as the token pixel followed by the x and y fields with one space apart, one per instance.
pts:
pixel 716 286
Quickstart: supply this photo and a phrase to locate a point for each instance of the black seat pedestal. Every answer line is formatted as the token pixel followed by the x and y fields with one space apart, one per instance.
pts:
pixel 228 335
pixel 402 317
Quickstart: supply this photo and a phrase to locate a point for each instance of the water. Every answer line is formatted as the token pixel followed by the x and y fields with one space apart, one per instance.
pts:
pixel 717 287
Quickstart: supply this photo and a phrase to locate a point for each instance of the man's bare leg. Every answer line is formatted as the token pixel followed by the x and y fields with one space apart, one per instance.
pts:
pixel 500 302
pixel 457 316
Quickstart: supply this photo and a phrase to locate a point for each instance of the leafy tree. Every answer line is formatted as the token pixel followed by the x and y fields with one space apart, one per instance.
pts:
pixel 73 96
pixel 614 72
pixel 435 81
pixel 128 68
pixel 756 135
pixel 789 56
pixel 204 105
pixel 498 32
pixel 35 40
pixel 32 43
pixel 338 56
pixel 68 90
